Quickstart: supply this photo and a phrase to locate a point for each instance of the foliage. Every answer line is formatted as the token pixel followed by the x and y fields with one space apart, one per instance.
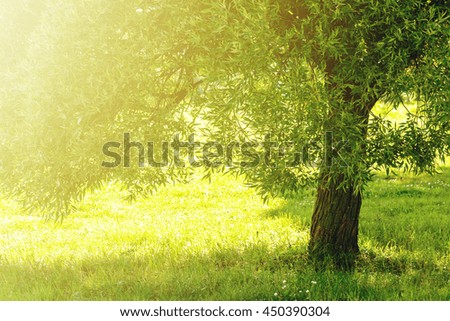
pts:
pixel 225 70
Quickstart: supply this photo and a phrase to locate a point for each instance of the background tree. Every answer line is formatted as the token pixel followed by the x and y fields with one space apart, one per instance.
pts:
pixel 302 72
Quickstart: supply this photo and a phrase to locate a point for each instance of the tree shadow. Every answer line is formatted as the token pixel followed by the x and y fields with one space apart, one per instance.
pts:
pixel 256 272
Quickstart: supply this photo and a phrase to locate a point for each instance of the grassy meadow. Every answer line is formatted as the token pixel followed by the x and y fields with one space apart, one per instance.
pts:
pixel 218 241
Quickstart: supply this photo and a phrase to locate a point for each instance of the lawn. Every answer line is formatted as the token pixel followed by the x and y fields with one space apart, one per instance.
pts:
pixel 219 241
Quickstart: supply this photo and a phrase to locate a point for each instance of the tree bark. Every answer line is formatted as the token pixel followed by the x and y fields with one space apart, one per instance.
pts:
pixel 335 220
pixel 334 228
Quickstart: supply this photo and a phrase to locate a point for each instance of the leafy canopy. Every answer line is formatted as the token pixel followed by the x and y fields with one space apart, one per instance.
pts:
pixel 83 73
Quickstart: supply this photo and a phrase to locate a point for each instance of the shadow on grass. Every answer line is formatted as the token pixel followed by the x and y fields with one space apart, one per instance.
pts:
pixel 253 273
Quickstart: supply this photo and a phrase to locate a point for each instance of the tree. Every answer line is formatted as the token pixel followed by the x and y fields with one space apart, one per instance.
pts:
pixel 301 75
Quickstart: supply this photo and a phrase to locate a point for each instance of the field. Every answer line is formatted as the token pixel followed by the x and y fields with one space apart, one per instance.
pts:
pixel 218 241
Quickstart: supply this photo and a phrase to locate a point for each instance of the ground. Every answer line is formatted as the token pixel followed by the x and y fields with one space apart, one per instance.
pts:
pixel 219 241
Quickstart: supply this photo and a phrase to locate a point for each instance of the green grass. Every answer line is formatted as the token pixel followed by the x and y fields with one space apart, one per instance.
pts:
pixel 219 241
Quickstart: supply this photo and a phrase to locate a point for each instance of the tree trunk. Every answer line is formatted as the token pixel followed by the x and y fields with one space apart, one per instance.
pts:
pixel 334 228
pixel 335 220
